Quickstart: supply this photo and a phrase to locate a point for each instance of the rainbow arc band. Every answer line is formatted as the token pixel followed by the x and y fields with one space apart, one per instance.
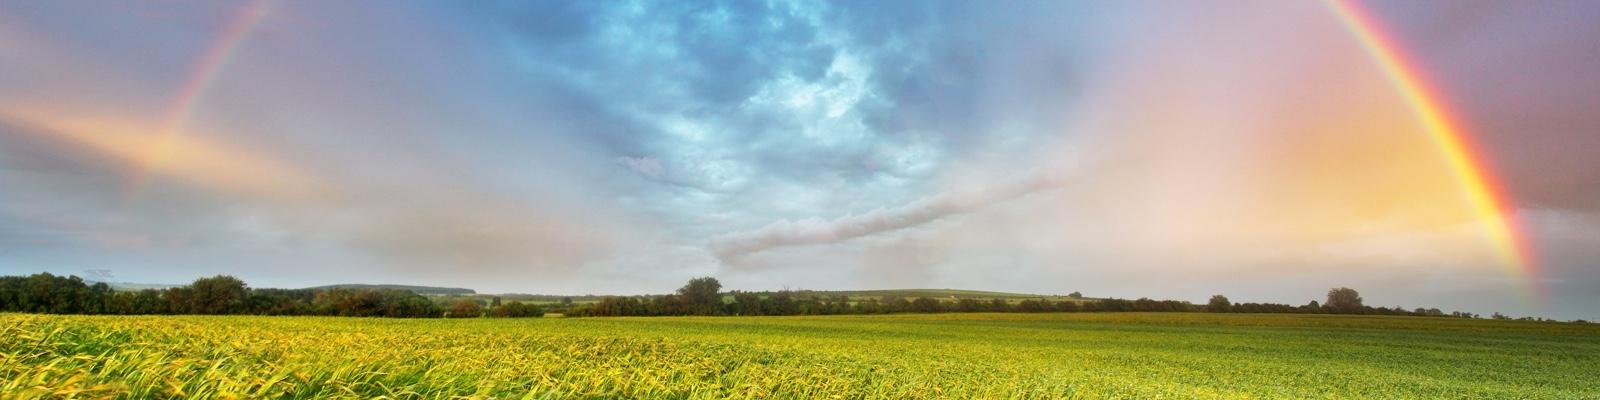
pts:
pixel 205 72
pixel 1479 186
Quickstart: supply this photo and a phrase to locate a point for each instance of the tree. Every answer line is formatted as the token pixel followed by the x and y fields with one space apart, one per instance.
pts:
pixel 780 303
pixel 1116 305
pixel 1075 295
pixel 703 296
pixel 398 303
pixel 466 308
pixel 1145 304
pixel 610 306
pixel 517 310
pixel 177 299
pixel 47 293
pixel 221 294
pixel 142 302
pixel 671 305
pixel 745 303
pixel 350 302
pixel 1219 303
pixel 968 305
pixel 1343 301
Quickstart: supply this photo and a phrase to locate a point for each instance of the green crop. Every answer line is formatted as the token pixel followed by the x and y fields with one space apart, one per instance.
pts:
pixel 1087 355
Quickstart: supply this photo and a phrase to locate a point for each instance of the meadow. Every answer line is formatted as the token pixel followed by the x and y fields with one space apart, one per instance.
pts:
pixel 1077 355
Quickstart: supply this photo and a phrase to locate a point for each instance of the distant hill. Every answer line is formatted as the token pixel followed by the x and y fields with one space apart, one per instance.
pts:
pixel 423 290
pixel 133 287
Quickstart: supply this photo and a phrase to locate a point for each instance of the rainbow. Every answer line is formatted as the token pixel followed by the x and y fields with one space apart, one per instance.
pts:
pixel 195 86
pixel 1481 189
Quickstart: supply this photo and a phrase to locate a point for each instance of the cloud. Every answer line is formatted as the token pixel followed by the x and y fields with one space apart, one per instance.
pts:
pixel 647 166
pixel 814 231
pixel 614 147
pixel 192 159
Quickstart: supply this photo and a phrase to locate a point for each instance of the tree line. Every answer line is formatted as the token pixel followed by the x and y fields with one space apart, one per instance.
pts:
pixel 703 296
pixel 223 295
pixel 226 295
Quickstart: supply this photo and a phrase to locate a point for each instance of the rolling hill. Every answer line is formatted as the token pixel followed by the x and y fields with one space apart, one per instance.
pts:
pixel 422 290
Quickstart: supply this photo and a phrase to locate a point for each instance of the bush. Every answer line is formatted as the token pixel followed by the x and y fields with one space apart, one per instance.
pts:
pixel 465 308
pixel 517 310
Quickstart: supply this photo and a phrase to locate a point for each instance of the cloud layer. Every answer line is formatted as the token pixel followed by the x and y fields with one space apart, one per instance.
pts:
pixel 1130 149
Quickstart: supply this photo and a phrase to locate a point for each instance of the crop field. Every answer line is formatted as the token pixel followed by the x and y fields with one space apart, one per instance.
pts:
pixel 1085 355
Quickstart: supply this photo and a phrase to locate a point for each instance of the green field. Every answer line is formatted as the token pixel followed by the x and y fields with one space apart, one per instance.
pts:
pixel 1085 355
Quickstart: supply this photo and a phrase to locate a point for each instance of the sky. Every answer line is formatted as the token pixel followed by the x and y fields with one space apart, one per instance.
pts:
pixel 1171 150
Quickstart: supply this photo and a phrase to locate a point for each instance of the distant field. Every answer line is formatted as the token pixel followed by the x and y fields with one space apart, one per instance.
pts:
pixel 1084 355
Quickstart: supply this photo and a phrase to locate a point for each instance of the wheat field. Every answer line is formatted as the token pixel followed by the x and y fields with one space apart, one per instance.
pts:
pixel 1088 355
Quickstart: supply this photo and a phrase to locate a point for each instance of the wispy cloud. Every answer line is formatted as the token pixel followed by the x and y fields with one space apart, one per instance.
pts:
pixel 815 231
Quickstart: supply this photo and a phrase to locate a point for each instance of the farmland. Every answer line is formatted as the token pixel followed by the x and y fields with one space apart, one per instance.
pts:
pixel 1085 355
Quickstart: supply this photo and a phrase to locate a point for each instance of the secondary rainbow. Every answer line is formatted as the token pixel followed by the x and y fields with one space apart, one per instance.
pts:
pixel 199 80
pixel 1479 186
